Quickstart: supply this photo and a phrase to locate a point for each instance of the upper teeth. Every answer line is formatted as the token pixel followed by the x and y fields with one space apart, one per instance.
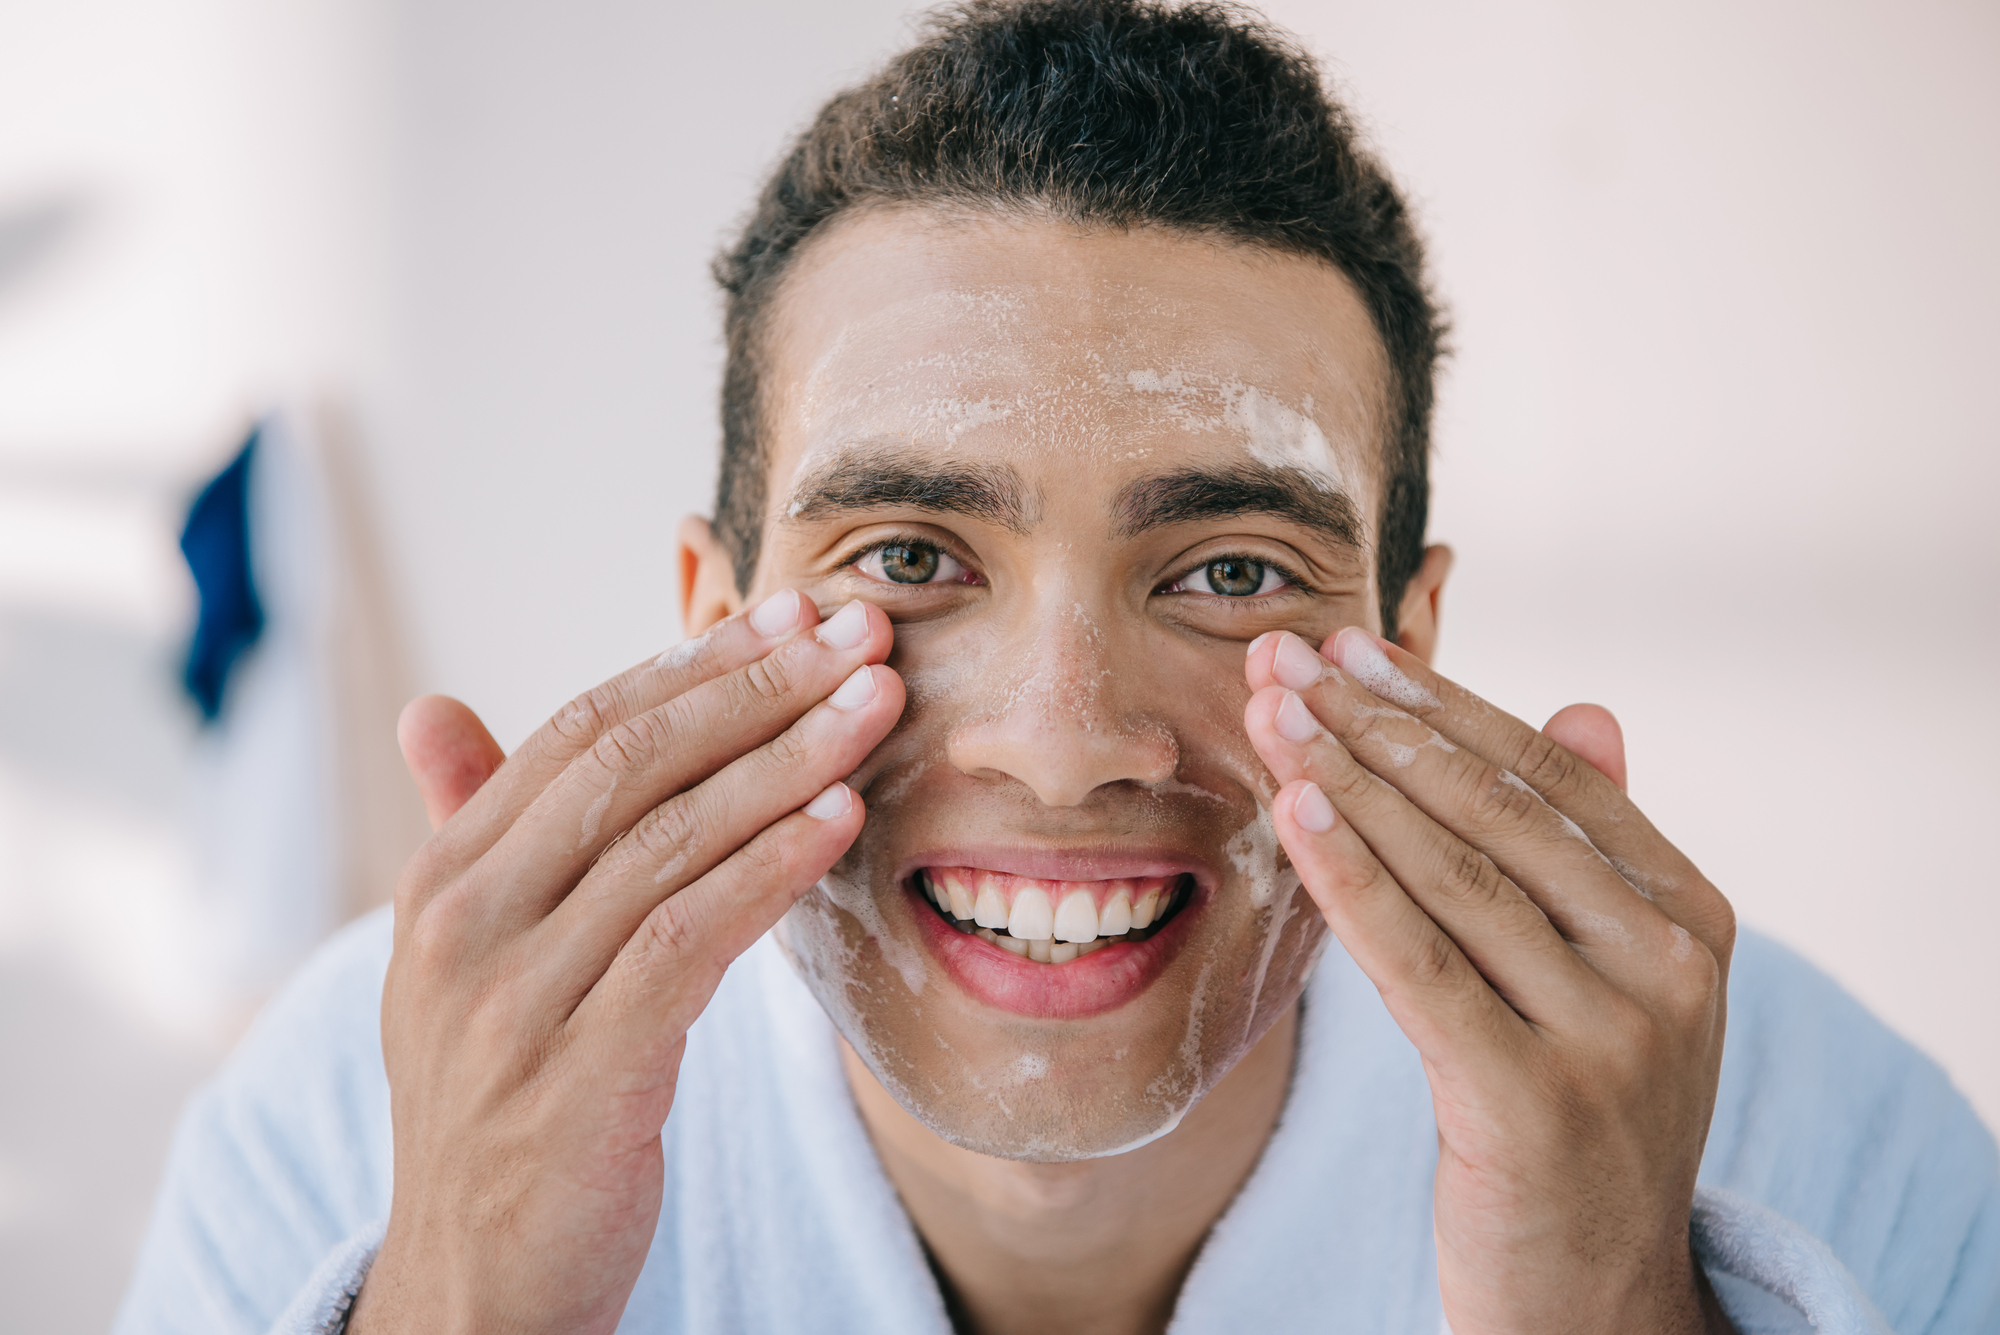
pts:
pixel 1030 914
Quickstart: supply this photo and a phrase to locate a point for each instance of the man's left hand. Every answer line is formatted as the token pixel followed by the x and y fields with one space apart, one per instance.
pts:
pixel 1558 964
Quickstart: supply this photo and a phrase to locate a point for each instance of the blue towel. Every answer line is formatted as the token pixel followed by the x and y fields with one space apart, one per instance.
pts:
pixel 216 543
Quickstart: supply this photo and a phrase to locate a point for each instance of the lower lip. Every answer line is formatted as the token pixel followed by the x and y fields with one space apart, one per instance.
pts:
pixel 1088 985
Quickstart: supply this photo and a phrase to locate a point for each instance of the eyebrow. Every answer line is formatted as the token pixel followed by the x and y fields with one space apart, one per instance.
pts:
pixel 1217 493
pixel 869 480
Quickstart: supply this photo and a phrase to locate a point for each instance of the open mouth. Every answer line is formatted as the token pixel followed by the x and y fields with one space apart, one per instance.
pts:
pixel 1051 922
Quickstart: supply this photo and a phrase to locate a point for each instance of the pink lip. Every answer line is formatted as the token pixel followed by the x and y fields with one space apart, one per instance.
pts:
pixel 1090 985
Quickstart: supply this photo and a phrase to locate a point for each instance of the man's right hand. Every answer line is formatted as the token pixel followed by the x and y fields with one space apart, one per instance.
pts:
pixel 567 922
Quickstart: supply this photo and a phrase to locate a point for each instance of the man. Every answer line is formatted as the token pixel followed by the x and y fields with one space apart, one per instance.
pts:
pixel 1157 938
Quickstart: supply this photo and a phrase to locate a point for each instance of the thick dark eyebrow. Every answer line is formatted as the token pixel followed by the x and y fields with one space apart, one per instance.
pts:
pixel 870 480
pixel 1219 493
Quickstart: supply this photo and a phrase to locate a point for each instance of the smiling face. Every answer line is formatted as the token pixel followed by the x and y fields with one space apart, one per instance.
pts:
pixel 1080 471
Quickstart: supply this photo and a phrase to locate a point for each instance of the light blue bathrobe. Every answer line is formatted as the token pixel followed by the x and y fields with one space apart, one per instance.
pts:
pixel 1846 1187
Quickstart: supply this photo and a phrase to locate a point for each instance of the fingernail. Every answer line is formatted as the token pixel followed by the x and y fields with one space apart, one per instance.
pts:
pixel 838 801
pixel 847 628
pixel 1259 640
pixel 1296 665
pixel 1295 722
pixel 1357 651
pixel 1312 811
pixel 856 691
pixel 776 614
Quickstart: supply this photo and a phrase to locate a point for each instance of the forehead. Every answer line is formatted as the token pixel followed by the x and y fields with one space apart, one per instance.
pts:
pixel 1053 346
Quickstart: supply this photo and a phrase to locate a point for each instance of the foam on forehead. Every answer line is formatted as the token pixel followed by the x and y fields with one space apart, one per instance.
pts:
pixel 1108 372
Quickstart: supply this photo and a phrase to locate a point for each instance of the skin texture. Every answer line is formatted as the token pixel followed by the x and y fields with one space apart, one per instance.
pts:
pixel 1072 691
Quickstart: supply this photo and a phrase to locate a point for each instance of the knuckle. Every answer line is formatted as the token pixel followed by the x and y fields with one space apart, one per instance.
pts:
pixel 673 828
pixel 770 679
pixel 632 745
pixel 1693 978
pixel 583 719
pixel 1435 964
pixel 1467 875
pixel 1494 803
pixel 1345 784
pixel 1546 764
pixel 672 935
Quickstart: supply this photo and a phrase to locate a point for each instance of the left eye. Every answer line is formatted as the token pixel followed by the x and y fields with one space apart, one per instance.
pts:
pixel 1230 577
pixel 910 563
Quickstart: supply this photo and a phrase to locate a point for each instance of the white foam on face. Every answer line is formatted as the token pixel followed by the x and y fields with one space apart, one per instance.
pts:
pixel 1254 855
pixel 1272 431
pixel 1029 1066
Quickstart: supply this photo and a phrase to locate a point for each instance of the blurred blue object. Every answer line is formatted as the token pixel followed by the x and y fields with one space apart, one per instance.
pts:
pixel 216 543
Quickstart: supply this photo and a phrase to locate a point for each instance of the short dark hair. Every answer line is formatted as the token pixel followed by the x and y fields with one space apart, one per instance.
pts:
pixel 1196 117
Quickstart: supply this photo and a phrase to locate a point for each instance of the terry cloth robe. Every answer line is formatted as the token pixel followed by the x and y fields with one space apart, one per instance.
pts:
pixel 1846 1187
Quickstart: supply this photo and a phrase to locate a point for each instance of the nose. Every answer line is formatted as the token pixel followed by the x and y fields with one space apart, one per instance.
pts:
pixel 1067 721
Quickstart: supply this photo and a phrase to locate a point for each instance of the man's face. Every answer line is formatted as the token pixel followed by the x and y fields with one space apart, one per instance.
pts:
pixel 1080 472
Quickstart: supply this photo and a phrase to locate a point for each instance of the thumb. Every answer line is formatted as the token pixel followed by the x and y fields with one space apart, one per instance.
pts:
pixel 1591 732
pixel 449 752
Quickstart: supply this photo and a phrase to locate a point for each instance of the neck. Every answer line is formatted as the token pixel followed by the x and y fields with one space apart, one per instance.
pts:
pixel 1099 1245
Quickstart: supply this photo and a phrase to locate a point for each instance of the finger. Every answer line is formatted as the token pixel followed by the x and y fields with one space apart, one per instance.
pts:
pixel 1488 808
pixel 449 753
pixel 1618 829
pixel 686 837
pixel 1507 938
pixel 728 646
pixel 1439 1000
pixel 1593 734
pixel 640 763
pixel 666 971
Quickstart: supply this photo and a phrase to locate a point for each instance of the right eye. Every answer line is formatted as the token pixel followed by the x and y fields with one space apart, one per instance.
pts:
pixel 910 563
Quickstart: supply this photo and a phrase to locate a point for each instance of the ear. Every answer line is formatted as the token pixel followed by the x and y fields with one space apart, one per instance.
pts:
pixel 1417 618
pixel 708 578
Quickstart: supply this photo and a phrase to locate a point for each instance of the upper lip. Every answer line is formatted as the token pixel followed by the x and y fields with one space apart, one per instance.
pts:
pixel 1093 863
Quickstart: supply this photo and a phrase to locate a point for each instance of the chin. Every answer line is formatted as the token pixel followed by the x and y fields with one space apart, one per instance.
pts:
pixel 1047 1002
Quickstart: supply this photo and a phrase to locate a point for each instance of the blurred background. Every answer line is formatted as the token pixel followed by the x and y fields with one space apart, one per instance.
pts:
pixel 1717 449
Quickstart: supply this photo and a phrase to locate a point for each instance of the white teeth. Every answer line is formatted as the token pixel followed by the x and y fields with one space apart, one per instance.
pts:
pixel 1143 911
pixel 1116 919
pixel 960 897
pixel 1018 946
pixel 1040 951
pixel 987 935
pixel 1088 946
pixel 1076 917
pixel 1032 918
pixel 1062 953
pixel 991 910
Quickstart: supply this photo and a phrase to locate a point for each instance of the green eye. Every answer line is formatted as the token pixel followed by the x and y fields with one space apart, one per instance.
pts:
pixel 910 563
pixel 1231 577
pixel 1235 579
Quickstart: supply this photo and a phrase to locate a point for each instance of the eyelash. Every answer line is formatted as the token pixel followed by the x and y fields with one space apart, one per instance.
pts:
pixel 860 554
pixel 1293 582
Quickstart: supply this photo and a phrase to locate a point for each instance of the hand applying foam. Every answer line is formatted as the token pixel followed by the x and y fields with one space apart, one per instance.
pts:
pixel 563 928
pixel 1558 964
